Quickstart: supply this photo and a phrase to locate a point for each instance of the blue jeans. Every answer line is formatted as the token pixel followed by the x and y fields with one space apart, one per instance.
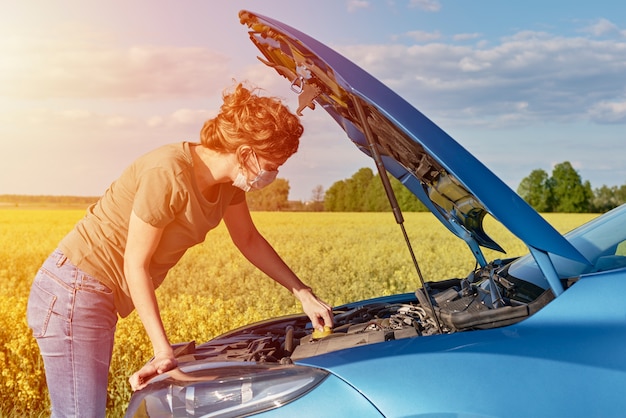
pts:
pixel 73 318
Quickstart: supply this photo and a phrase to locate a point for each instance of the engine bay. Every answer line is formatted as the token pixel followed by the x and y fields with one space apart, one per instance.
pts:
pixel 487 298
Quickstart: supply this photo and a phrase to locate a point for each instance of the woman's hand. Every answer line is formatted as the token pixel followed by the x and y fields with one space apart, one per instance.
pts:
pixel 158 365
pixel 318 311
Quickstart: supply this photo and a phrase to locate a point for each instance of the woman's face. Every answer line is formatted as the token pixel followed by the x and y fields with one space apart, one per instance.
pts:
pixel 259 171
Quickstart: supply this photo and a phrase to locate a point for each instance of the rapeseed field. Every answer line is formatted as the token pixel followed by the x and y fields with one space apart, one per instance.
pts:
pixel 343 256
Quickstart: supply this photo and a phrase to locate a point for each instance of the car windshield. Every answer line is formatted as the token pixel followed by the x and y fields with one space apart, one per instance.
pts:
pixel 602 241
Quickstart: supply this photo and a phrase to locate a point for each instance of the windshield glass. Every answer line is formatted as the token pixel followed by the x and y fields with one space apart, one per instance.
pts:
pixel 602 241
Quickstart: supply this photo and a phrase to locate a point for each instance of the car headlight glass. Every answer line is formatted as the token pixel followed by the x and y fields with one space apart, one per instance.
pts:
pixel 236 394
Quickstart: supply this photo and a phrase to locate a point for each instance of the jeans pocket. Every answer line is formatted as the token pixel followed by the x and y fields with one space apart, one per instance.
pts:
pixel 90 284
pixel 94 307
pixel 39 310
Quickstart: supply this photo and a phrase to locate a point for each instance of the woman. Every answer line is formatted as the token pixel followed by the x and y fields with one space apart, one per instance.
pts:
pixel 119 253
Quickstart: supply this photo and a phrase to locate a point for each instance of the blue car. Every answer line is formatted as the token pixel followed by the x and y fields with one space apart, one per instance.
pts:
pixel 543 335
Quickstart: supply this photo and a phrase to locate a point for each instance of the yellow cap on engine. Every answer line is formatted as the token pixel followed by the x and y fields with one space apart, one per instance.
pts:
pixel 321 334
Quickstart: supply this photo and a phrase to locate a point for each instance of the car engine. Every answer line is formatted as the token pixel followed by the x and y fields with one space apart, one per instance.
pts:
pixel 487 298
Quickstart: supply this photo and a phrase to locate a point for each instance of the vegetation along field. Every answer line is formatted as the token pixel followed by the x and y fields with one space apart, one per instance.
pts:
pixel 343 256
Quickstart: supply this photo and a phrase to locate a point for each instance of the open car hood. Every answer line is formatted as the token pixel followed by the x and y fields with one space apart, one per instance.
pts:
pixel 457 188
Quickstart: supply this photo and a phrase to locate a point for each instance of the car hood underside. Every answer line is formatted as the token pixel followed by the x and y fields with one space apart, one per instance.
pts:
pixel 454 185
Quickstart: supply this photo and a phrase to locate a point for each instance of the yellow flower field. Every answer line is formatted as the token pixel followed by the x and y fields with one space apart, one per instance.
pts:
pixel 343 256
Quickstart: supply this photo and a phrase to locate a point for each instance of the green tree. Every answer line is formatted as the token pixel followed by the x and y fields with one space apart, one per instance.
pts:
pixel 406 199
pixel 334 197
pixel 349 195
pixel 569 193
pixel 536 190
pixel 375 198
pixel 364 192
pixel 274 197
pixel 606 198
pixel 621 194
pixel 356 190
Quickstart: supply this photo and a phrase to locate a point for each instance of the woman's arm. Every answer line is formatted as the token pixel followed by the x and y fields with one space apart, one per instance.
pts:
pixel 260 253
pixel 142 241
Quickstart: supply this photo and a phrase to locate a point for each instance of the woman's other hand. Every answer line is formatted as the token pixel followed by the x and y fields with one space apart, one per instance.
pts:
pixel 158 365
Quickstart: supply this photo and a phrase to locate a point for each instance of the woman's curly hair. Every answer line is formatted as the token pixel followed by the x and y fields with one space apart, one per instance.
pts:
pixel 263 123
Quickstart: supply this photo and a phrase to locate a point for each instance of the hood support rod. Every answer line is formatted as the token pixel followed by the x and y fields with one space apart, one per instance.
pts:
pixel 391 196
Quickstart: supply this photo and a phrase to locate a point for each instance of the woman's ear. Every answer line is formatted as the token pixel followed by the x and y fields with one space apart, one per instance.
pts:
pixel 243 154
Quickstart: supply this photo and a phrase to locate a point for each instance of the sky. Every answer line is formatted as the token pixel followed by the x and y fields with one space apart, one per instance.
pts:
pixel 86 87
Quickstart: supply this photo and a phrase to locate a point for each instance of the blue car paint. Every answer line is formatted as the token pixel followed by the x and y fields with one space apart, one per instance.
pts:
pixel 334 396
pixel 510 371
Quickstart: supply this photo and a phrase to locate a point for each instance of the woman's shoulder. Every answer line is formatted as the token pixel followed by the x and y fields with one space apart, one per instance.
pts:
pixel 169 155
pixel 178 150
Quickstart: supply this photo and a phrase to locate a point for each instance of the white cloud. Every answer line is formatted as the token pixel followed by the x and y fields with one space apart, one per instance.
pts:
pixel 192 117
pixel 470 65
pixel 354 5
pixel 118 121
pixel 155 121
pixel 38 67
pixel 602 27
pixel 427 5
pixel 422 36
pixel 557 78
pixel 465 36
pixel 608 112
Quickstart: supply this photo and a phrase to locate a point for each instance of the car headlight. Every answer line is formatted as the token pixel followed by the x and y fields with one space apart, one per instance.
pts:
pixel 224 392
